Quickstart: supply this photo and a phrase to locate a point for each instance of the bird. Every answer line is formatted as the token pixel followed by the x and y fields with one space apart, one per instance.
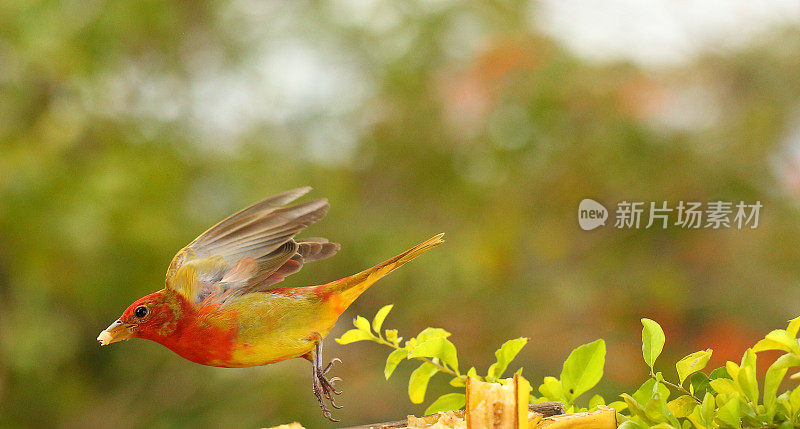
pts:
pixel 221 304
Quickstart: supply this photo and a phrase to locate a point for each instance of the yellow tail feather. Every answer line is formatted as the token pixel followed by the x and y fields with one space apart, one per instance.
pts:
pixel 349 288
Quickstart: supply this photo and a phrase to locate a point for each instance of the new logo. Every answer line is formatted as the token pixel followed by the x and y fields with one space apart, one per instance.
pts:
pixel 591 214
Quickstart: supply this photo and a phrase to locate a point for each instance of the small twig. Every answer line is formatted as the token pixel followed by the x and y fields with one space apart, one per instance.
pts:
pixel 676 387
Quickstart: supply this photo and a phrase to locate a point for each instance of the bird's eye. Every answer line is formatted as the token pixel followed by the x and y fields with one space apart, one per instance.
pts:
pixel 140 312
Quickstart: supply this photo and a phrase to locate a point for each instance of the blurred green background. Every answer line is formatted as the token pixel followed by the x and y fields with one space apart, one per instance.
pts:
pixel 127 128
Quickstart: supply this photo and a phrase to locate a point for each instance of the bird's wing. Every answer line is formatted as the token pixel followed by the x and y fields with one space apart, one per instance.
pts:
pixel 250 250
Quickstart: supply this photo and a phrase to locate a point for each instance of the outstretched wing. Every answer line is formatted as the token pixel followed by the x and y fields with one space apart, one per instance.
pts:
pixel 250 250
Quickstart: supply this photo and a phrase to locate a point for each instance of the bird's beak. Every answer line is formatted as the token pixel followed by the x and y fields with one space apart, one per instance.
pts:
pixel 117 331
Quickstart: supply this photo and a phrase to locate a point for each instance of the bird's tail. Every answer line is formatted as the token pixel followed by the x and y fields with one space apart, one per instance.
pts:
pixel 346 290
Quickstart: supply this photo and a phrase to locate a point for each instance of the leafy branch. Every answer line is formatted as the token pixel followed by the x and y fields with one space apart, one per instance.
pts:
pixel 728 396
pixel 582 370
pixel 435 351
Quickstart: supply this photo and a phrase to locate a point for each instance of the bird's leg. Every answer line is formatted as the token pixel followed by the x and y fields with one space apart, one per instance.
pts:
pixel 323 387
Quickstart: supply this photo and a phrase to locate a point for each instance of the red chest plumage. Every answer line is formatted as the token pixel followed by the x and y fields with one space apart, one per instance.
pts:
pixel 199 341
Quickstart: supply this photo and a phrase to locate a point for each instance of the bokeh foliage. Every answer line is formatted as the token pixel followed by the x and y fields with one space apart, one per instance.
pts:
pixel 127 128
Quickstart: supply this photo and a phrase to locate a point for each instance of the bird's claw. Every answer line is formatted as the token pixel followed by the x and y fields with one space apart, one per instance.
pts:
pixel 326 386
pixel 330 365
pixel 322 386
pixel 319 392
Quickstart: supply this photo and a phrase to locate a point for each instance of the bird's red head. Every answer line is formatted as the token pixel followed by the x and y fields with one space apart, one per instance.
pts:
pixel 153 317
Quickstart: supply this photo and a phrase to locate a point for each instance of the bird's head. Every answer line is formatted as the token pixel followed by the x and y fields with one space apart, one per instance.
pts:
pixel 152 317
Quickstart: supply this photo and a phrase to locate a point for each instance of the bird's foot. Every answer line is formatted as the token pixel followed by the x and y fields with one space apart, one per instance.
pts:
pixel 322 386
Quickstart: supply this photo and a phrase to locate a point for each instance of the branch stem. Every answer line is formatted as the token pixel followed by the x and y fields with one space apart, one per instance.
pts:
pixel 676 387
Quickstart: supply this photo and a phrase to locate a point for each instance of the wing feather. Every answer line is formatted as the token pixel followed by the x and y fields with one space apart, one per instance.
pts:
pixel 250 250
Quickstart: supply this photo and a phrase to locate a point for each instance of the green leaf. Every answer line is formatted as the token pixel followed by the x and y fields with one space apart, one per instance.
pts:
pixel 440 348
pixel 746 376
pixel 653 411
pixel 692 363
pixel 507 352
pixel 583 369
pixel 733 370
pixel 765 344
pixel 794 400
pixel 747 381
pixel 729 413
pixel 656 407
pixel 774 376
pixel 551 389
pixel 361 324
pixel 418 383
pixel 697 418
pixel 391 336
pixel 474 374
pixel 618 405
pixel 354 335
pixel 682 406
pixel 652 341
pixel 707 408
pixel 635 407
pixel 794 326
pixel 783 404
pixel 724 385
pixel 630 424
pixel 596 400
pixel 720 372
pixel 457 382
pixel 749 359
pixel 429 333
pixel 393 360
pixel 448 402
pixel 377 322
pixel 645 391
pixel 698 382
pixel 778 340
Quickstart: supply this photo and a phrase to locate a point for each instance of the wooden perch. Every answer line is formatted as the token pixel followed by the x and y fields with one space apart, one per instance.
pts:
pixel 546 409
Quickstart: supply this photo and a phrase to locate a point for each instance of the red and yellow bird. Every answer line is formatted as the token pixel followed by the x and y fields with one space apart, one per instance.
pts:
pixel 220 306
